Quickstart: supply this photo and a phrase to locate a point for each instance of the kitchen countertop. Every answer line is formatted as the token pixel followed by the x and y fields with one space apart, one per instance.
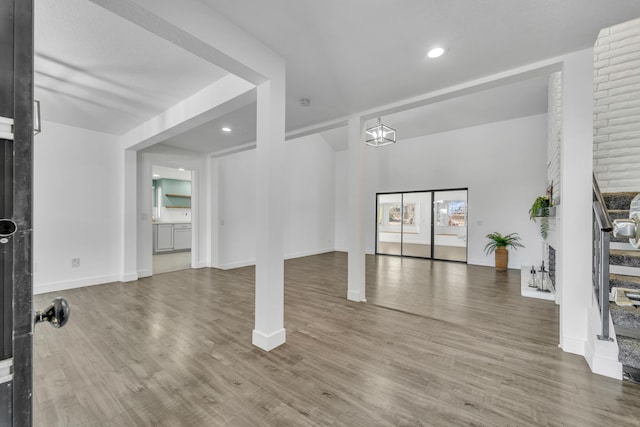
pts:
pixel 171 222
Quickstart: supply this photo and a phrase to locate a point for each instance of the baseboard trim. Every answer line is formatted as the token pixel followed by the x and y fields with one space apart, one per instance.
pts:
pixel 268 342
pixel 144 273
pixel 233 265
pixel 308 253
pixel 129 277
pixel 601 356
pixel 573 345
pixel 251 262
pixel 355 296
pixel 605 366
pixel 74 284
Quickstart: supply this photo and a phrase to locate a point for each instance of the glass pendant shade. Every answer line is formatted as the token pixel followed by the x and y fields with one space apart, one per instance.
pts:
pixel 380 135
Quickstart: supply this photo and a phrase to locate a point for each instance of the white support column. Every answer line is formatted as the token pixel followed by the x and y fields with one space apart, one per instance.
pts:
pixel 269 329
pixel 129 217
pixel 214 212
pixel 356 161
pixel 574 233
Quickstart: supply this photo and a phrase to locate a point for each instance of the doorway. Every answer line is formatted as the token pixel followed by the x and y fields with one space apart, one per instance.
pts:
pixel 423 224
pixel 171 218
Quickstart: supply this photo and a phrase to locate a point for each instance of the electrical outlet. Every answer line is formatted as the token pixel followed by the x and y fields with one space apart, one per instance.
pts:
pixel 75 262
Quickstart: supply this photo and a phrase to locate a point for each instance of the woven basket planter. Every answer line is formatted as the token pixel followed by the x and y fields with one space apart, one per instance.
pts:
pixel 502 258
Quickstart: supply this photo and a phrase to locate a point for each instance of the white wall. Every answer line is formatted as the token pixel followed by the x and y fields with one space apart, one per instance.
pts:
pixel 340 201
pixel 77 207
pixel 503 165
pixel 236 198
pixel 309 202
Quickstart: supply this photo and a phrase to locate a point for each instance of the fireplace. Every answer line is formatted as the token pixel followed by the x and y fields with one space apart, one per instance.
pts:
pixel 551 259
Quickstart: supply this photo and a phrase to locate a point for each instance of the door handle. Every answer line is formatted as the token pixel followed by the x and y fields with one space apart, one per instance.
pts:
pixel 629 228
pixel 56 313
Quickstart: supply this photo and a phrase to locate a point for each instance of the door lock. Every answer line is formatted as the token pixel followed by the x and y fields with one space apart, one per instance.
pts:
pixel 56 313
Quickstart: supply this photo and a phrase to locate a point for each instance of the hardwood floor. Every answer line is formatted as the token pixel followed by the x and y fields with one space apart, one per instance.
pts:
pixel 437 344
pixel 174 261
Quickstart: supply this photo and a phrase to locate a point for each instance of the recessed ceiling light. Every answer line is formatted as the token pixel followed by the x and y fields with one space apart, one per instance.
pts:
pixel 155 175
pixel 435 52
pixel 181 169
pixel 226 129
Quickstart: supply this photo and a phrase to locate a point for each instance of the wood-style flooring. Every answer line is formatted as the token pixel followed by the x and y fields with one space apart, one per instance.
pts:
pixel 174 261
pixel 436 344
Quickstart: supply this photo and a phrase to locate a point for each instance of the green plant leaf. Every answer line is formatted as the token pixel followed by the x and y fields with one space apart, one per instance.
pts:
pixel 497 240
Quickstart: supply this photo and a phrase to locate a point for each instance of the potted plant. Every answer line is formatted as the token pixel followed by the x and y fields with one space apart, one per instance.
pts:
pixel 540 209
pixel 499 244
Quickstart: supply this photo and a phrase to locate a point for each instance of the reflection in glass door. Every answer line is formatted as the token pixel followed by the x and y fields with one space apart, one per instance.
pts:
pixel 404 224
pixel 450 225
pixel 416 224
pixel 389 224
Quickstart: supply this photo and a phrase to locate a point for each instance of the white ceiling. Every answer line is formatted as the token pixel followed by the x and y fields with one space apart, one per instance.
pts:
pixel 209 138
pixel 520 99
pixel 95 70
pixel 355 55
pixel 170 173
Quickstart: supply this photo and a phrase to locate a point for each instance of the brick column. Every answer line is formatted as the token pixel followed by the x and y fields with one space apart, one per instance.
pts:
pixel 616 113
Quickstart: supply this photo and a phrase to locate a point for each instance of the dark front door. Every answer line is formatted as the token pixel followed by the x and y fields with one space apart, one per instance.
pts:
pixel 16 162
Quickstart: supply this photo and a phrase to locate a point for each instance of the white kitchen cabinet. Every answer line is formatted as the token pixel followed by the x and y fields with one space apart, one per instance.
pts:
pixel 164 237
pixel 181 237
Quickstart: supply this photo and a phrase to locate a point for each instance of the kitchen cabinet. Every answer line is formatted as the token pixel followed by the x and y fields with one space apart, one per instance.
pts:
pixel 163 237
pixel 171 237
pixel 181 237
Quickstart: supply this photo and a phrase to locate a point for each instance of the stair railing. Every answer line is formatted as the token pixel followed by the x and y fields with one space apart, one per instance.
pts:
pixel 602 228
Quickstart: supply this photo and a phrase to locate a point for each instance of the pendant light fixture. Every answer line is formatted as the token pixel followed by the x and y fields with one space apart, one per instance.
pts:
pixel 380 135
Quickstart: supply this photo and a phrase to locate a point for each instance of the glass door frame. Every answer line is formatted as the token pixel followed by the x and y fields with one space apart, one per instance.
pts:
pixel 432 230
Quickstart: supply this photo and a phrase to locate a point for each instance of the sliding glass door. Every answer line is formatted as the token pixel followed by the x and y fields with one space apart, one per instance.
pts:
pixel 416 225
pixel 389 240
pixel 423 224
pixel 450 225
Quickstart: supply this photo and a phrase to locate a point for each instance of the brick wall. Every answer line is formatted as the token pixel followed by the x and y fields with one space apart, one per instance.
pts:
pixel 616 121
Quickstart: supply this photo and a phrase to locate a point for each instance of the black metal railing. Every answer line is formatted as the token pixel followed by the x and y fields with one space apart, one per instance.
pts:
pixel 602 228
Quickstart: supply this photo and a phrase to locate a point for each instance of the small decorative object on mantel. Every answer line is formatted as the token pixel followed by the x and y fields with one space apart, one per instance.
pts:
pixel 543 281
pixel 499 244
pixel 532 278
pixel 540 209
